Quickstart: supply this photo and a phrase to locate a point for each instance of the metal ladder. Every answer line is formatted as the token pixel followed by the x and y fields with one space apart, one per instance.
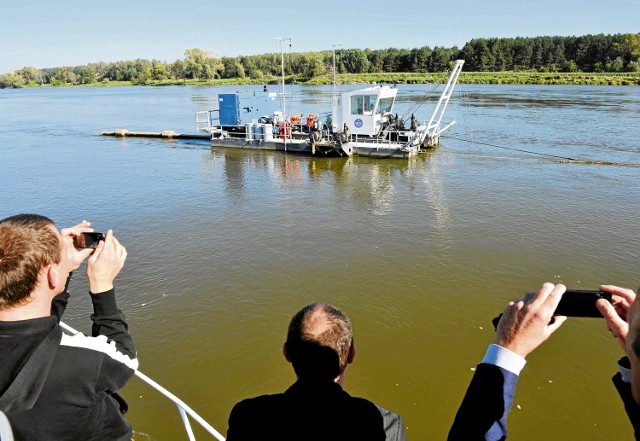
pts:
pixel 433 127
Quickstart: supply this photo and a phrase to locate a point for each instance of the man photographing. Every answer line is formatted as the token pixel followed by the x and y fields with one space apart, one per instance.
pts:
pixel 54 386
pixel 525 325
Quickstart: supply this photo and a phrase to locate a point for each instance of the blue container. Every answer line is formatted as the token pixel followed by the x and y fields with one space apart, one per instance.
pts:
pixel 229 106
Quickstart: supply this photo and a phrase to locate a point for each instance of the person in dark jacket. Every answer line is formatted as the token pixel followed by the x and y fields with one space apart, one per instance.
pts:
pixel 54 386
pixel 316 407
pixel 525 325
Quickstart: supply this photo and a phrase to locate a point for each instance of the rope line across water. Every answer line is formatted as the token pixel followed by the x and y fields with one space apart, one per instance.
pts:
pixel 564 159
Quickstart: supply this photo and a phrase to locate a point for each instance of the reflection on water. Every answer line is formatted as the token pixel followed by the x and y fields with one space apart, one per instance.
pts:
pixel 437 198
pixel 364 181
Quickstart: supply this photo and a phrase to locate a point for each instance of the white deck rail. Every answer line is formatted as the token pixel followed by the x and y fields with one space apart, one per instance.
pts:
pixel 184 410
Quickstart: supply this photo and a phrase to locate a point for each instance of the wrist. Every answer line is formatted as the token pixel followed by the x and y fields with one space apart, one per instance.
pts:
pixel 505 358
pixel 516 344
pixel 98 287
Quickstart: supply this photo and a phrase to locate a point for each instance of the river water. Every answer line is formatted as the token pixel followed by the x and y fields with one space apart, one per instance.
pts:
pixel 225 246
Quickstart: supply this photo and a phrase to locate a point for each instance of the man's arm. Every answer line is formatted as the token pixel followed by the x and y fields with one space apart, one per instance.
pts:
pixel 109 321
pixel 74 258
pixel 524 326
pixel 623 321
pixel 487 403
pixel 622 382
pixel 110 334
pixel 393 425
pixel 104 265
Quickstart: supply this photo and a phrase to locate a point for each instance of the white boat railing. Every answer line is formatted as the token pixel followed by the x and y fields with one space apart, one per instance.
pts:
pixel 6 434
pixel 184 410
pixel 206 120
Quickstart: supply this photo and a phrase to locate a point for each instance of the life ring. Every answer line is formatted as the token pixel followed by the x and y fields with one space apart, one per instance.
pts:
pixel 295 119
pixel 285 130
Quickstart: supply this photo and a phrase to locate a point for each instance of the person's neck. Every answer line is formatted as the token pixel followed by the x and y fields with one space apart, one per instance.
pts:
pixel 37 307
pixel 338 380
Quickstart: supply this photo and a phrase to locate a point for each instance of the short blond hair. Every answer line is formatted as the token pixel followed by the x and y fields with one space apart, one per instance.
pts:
pixel 27 245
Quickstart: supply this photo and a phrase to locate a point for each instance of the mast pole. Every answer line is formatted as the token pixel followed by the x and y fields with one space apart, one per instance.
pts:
pixel 334 103
pixel 284 108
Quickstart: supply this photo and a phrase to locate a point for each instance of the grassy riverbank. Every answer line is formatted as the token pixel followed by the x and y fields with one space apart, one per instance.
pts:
pixel 559 78
pixel 522 77
pixel 621 79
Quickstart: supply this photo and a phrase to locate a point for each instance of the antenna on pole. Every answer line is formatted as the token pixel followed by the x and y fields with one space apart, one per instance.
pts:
pixel 333 48
pixel 334 99
pixel 281 40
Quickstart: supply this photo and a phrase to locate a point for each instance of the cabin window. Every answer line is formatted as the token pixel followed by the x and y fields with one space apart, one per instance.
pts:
pixel 363 104
pixel 385 105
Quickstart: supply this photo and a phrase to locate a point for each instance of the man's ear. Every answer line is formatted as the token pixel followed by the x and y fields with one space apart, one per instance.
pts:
pixel 352 353
pixel 285 353
pixel 54 276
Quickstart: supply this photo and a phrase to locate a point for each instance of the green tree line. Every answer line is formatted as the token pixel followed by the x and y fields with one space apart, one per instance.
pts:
pixel 589 53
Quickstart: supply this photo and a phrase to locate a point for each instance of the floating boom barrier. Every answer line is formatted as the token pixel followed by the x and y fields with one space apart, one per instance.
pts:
pixel 166 134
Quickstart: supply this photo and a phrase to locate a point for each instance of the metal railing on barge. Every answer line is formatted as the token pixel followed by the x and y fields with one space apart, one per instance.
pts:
pixel 184 410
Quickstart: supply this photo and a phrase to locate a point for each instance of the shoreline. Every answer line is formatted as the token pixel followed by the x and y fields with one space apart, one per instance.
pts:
pixel 510 78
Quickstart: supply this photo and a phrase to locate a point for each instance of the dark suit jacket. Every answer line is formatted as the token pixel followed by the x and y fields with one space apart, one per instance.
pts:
pixel 486 405
pixel 312 411
pixel 630 405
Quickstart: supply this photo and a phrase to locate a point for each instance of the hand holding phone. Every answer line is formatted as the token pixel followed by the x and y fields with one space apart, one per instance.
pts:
pixel 575 303
pixel 528 322
pixel 581 303
pixel 105 263
pixel 87 240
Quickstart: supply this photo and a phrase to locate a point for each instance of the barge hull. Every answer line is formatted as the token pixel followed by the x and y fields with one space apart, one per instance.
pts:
pixel 292 146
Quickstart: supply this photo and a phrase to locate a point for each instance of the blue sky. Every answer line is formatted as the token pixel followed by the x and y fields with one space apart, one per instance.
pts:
pixel 51 34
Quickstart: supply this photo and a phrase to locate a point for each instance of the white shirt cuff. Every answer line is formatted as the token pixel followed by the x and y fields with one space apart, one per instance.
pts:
pixel 504 358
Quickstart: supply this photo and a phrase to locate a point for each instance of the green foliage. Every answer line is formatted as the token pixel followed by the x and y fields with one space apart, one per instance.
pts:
pixel 522 57
pixel 570 66
pixel 84 75
pixel 11 81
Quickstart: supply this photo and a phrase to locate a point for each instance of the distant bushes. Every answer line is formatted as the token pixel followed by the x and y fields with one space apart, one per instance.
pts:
pixel 527 60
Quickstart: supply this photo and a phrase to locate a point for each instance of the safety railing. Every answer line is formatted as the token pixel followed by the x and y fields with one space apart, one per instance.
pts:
pixel 184 410
pixel 206 120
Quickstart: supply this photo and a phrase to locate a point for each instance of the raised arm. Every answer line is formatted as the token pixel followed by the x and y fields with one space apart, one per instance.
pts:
pixel 73 258
pixel 623 321
pixel 104 265
pixel 525 325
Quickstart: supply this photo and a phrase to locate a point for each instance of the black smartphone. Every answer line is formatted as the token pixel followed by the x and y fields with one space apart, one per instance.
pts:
pixel 88 240
pixel 581 303
pixel 575 303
